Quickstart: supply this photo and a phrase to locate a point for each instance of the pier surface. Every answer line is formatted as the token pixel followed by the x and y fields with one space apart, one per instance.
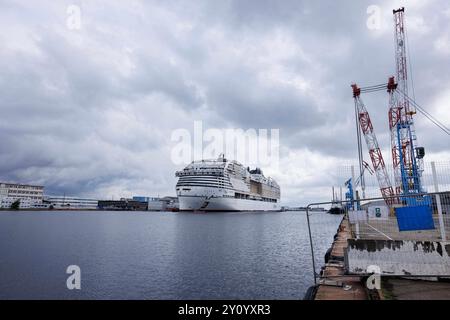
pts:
pixel 334 285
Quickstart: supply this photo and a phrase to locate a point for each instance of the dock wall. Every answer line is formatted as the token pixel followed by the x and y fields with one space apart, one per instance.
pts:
pixel 394 257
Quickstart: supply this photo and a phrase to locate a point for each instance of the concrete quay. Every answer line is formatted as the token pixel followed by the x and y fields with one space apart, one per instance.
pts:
pixel 337 283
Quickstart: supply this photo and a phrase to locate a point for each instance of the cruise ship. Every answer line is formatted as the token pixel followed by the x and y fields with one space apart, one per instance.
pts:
pixel 224 185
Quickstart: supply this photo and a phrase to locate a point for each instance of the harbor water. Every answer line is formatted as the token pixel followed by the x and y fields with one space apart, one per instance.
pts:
pixel 158 255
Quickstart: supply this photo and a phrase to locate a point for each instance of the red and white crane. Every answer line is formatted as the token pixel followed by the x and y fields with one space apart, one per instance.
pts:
pixel 376 156
pixel 407 158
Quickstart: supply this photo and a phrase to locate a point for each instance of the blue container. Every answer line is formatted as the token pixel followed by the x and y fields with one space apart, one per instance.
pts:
pixel 414 218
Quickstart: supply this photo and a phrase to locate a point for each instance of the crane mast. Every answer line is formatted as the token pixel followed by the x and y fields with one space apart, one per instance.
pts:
pixel 374 150
pixel 407 161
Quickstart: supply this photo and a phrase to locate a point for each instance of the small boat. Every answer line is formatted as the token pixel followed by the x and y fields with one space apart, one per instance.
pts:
pixel 336 206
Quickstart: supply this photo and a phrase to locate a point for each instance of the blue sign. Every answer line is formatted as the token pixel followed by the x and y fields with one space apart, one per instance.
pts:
pixel 415 218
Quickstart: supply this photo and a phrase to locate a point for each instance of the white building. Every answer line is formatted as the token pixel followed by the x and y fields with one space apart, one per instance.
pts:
pixel 29 196
pixel 156 204
pixel 163 204
pixel 63 202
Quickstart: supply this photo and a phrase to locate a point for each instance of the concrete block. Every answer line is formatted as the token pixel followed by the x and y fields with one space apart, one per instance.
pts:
pixel 395 257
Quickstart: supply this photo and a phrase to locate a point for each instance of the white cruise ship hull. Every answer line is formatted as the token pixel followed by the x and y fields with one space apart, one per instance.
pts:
pixel 203 203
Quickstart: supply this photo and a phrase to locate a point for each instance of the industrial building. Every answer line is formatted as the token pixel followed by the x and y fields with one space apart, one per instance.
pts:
pixel 141 199
pixel 29 196
pixel 140 204
pixel 156 204
pixel 163 204
pixel 71 203
pixel 122 205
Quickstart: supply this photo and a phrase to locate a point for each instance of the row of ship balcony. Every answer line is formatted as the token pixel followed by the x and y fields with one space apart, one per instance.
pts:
pixel 192 172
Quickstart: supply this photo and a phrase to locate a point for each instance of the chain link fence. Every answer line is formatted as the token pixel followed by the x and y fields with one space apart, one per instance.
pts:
pixel 377 221
pixel 371 189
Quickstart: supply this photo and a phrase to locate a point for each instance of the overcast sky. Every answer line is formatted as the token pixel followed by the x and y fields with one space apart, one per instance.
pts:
pixel 89 111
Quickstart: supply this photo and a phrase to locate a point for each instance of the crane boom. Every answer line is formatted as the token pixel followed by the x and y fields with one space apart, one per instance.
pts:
pixel 376 156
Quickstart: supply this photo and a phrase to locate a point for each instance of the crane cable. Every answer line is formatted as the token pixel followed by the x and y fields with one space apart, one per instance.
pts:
pixel 383 86
pixel 439 124
pixel 377 87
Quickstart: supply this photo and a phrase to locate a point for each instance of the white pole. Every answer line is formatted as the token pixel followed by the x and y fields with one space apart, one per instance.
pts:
pixel 354 189
pixel 355 207
pixel 438 203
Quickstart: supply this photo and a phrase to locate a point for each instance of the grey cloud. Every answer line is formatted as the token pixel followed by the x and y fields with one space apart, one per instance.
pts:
pixel 91 112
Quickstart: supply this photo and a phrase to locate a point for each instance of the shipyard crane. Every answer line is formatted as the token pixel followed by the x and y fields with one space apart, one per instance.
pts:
pixel 407 159
pixel 376 156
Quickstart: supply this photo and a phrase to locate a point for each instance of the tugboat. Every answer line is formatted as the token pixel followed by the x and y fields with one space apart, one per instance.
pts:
pixel 336 206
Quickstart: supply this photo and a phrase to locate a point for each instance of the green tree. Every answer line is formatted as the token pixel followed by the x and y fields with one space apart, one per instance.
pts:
pixel 15 205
